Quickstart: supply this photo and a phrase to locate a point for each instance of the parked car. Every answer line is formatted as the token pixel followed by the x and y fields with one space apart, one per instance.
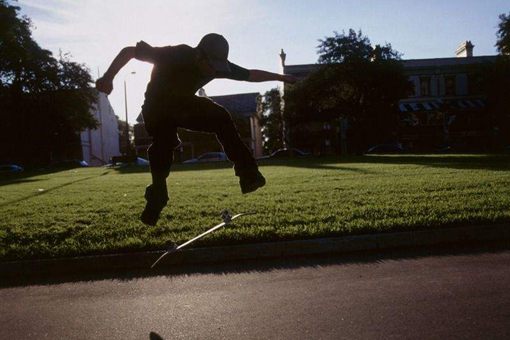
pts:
pixel 445 149
pixel 141 161
pixel 386 148
pixel 208 157
pixel 287 153
pixel 10 169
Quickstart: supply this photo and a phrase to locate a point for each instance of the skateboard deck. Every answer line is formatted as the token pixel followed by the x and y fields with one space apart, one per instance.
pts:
pixel 227 219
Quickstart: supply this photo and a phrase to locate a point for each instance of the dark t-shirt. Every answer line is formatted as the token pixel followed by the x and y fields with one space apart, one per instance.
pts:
pixel 176 72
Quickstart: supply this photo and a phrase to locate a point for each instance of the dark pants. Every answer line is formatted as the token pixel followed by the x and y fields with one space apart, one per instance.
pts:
pixel 194 113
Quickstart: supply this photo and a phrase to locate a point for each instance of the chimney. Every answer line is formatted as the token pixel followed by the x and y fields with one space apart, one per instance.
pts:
pixel 464 50
pixel 282 57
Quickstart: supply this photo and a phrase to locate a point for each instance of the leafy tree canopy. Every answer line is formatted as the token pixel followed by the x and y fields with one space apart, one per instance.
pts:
pixel 353 47
pixel 503 34
pixel 44 101
pixel 272 120
pixel 353 80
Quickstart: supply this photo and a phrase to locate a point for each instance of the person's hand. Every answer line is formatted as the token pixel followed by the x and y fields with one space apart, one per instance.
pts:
pixel 105 85
pixel 290 79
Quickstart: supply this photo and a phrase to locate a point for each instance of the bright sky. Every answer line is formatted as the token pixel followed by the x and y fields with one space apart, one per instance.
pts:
pixel 94 31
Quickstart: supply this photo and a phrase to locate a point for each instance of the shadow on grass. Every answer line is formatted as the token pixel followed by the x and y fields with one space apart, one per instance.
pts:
pixel 320 163
pixel 459 162
pixel 329 163
pixel 267 265
pixel 176 167
pixel 48 190
pixel 495 162
pixel 26 176
pixel 17 180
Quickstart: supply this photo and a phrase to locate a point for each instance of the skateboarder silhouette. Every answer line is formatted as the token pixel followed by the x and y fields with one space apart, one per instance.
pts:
pixel 170 102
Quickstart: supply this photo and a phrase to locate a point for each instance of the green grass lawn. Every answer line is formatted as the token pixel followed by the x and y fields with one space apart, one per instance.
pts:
pixel 96 210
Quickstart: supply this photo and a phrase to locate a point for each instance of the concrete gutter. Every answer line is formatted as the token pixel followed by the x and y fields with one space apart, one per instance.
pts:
pixel 142 260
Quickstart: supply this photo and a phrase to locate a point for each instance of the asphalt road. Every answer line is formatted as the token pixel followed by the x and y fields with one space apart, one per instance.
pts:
pixel 392 296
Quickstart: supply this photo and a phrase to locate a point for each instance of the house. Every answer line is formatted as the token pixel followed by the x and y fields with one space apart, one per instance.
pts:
pixel 100 145
pixel 446 108
pixel 242 107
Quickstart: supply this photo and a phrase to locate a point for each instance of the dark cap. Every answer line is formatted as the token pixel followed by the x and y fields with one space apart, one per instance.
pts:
pixel 215 47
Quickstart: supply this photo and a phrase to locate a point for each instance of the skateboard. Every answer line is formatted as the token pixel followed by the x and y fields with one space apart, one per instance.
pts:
pixel 227 219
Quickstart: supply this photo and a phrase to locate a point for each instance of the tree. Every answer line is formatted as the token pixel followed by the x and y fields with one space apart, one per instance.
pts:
pixel 503 34
pixel 496 82
pixel 44 102
pixel 493 80
pixel 273 133
pixel 354 81
pixel 24 66
pixel 352 47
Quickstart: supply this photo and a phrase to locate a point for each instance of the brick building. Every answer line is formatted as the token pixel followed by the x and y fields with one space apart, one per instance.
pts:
pixel 446 108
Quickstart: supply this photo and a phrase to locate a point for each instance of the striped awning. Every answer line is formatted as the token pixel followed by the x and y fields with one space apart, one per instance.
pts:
pixel 432 105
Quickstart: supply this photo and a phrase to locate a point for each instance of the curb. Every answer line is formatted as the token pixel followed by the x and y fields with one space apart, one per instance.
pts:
pixel 370 242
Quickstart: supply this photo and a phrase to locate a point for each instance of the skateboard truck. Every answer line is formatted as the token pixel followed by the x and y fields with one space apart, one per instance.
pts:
pixel 226 216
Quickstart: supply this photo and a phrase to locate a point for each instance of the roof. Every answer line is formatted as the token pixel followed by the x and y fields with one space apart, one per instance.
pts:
pixel 243 104
pixel 299 69
pixel 408 64
pixel 455 61
pixel 139 119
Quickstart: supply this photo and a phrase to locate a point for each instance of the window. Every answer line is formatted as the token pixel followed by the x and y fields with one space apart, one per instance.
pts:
pixel 449 85
pixel 424 86
pixel 474 84
pixel 413 88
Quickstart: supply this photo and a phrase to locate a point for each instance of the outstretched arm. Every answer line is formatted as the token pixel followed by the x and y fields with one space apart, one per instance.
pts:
pixel 105 83
pixel 260 76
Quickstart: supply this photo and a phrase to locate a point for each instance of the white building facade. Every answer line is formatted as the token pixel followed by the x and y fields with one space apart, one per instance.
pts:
pixel 100 145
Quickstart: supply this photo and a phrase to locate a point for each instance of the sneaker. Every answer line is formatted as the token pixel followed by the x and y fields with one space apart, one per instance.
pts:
pixel 251 182
pixel 156 201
